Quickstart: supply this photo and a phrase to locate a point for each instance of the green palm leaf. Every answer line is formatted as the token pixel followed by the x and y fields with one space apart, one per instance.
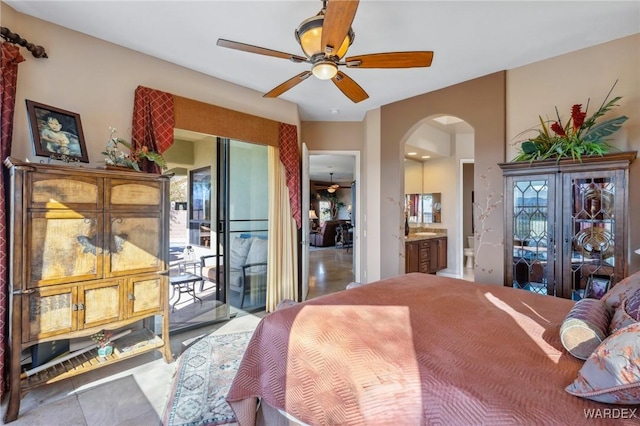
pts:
pixel 600 131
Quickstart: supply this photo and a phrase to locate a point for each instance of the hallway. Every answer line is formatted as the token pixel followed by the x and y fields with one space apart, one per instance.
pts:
pixel 330 270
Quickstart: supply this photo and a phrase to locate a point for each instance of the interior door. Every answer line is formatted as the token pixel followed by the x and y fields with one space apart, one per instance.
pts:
pixel 306 206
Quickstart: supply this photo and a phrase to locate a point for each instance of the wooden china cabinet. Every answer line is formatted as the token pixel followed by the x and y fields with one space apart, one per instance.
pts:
pixel 88 252
pixel 566 224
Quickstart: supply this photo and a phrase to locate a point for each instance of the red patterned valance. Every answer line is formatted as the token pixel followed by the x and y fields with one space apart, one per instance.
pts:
pixel 153 122
pixel 290 158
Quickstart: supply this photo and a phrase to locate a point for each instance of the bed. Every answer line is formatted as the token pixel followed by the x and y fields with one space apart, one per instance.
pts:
pixel 414 349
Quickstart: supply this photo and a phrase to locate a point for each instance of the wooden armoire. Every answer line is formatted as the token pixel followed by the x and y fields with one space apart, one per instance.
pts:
pixel 88 252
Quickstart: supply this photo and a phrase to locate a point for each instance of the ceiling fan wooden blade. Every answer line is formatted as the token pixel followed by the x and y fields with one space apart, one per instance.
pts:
pixel 338 18
pixel 350 88
pixel 277 91
pixel 259 50
pixel 391 60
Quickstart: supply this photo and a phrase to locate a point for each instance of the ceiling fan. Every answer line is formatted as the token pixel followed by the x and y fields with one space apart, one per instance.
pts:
pixel 325 39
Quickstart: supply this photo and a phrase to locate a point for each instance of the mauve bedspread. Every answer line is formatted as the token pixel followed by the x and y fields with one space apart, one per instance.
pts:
pixel 415 349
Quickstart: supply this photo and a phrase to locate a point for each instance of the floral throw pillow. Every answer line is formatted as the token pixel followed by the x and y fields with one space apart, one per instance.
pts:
pixel 627 313
pixel 612 373
pixel 632 306
pixel 620 318
pixel 621 291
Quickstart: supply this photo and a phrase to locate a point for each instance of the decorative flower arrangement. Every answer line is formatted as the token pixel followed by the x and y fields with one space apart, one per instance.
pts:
pixel 114 156
pixel 102 338
pixel 579 136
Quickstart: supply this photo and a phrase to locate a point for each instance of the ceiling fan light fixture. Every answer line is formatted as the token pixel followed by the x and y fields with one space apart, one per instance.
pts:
pixel 309 35
pixel 324 70
pixel 331 190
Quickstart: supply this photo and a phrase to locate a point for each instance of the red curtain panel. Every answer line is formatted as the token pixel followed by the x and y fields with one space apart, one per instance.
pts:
pixel 8 81
pixel 153 122
pixel 290 158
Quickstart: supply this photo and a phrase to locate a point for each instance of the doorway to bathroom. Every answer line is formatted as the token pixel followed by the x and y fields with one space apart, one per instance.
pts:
pixel 467 224
pixel 436 151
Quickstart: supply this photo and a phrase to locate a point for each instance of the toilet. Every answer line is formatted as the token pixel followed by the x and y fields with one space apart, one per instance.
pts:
pixel 468 252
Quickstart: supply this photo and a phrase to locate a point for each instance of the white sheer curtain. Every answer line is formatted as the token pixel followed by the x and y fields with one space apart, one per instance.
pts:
pixel 282 270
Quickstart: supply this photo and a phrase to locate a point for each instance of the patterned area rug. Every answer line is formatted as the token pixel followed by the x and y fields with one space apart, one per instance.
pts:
pixel 204 374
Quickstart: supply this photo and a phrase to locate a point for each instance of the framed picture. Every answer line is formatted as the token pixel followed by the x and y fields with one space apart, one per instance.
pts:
pixel 56 133
pixel 597 286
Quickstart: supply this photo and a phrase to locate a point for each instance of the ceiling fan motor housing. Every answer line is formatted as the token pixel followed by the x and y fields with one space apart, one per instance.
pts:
pixel 309 36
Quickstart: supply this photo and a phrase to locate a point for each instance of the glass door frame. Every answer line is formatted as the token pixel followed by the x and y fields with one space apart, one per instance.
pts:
pixel 551 267
pixel 570 237
pixel 222 217
pixel 228 227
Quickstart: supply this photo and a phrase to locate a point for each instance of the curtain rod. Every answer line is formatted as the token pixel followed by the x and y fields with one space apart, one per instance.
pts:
pixel 36 51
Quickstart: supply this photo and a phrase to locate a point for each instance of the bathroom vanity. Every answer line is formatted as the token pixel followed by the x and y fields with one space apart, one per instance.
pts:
pixel 425 252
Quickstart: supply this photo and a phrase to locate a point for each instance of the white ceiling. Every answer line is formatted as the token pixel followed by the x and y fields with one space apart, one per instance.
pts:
pixel 469 39
pixel 342 167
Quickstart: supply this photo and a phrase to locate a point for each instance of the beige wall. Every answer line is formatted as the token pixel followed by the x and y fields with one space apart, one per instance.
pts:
pixel 520 95
pixel 180 154
pixel 370 189
pixel 444 176
pixel 575 78
pixel 579 77
pixel 97 80
pixel 348 137
pixel 479 102
pixel 412 177
pixel 332 135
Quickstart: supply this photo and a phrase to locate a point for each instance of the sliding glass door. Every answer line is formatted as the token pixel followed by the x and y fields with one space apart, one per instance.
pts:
pixel 225 243
pixel 243 210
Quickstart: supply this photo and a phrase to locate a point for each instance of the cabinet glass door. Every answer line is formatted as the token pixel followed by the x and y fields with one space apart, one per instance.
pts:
pixel 531 230
pixel 590 234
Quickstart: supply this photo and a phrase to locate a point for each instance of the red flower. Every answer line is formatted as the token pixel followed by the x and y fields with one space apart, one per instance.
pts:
pixel 578 116
pixel 556 127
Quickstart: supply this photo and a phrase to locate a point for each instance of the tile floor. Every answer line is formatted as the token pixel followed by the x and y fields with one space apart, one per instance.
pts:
pixel 130 392
pixel 330 270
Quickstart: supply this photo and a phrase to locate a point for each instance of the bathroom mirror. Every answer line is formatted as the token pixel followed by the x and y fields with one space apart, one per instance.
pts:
pixel 424 208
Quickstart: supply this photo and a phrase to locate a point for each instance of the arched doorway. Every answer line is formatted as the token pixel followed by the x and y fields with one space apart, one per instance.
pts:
pixel 438 165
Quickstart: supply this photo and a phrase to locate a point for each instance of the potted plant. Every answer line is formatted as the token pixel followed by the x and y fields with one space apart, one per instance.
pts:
pixel 115 156
pixel 103 340
pixel 579 136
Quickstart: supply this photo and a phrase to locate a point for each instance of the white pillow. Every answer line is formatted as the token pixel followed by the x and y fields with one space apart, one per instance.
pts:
pixel 258 254
pixel 239 251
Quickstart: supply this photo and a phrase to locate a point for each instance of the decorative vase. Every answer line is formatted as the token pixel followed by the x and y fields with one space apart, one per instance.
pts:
pixel 105 351
pixel 406 226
